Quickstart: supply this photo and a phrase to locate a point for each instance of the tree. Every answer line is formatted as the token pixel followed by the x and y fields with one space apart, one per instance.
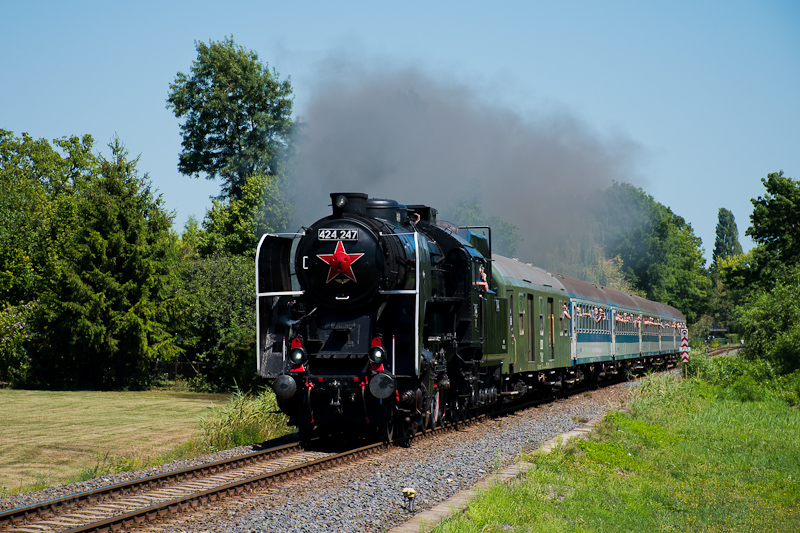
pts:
pixel 767 278
pixel 660 252
pixel 776 218
pixel 38 186
pixel 103 321
pixel 237 115
pixel 235 225
pixel 727 241
pixel 776 230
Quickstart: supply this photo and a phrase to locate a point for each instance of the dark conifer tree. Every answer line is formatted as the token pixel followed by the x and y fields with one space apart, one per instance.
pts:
pixel 104 323
pixel 727 241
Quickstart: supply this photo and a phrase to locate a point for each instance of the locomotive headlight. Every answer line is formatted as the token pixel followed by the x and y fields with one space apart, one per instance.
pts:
pixel 297 356
pixel 376 354
pixel 341 201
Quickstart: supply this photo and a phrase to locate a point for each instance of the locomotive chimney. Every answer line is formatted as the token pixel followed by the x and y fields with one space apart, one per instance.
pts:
pixel 348 202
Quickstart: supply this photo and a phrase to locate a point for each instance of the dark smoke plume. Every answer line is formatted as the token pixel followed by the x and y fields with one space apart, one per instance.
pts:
pixel 402 134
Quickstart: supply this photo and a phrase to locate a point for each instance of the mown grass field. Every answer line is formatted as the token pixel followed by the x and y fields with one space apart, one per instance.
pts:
pixel 48 437
pixel 689 457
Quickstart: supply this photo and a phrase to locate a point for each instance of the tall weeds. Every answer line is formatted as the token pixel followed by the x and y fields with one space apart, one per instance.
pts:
pixel 246 419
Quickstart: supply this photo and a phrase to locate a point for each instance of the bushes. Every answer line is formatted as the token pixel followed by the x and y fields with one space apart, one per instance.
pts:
pixel 217 328
pixel 788 387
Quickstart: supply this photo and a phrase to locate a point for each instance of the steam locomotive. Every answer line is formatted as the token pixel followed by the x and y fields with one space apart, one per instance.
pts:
pixel 382 317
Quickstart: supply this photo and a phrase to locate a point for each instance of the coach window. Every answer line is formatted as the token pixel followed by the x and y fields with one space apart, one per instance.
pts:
pixel 522 313
pixel 583 319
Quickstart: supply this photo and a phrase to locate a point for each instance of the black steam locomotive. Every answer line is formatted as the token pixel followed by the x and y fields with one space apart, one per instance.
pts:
pixel 381 316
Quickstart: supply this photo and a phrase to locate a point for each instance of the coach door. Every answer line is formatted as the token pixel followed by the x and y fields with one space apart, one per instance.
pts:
pixel 551 330
pixel 531 336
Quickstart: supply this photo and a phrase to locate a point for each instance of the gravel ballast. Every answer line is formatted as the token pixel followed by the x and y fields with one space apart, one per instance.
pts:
pixel 368 496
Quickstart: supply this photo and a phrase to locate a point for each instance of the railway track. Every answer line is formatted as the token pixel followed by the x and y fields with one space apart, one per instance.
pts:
pixel 121 506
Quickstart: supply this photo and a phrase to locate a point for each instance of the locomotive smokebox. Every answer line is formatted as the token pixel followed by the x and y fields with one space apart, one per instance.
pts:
pixel 349 202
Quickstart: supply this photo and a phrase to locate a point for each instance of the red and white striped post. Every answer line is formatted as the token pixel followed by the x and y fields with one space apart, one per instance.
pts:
pixel 684 350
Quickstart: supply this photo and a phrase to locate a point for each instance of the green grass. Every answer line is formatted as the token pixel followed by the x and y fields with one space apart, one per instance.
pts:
pixel 49 438
pixel 689 457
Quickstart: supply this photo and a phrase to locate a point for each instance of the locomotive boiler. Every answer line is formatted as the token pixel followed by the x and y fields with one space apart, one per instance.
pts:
pixel 382 317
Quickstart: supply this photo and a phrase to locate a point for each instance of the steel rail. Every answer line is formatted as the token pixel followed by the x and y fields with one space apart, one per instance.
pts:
pixel 198 499
pixel 21 514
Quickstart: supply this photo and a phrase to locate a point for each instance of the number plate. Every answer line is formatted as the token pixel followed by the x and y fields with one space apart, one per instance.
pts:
pixel 337 234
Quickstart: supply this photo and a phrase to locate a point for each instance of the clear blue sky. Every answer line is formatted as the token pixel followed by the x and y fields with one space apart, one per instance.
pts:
pixel 708 93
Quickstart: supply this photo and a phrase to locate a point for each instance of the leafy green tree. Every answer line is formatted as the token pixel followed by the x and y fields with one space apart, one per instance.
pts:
pixel 660 252
pixel 38 186
pixel 776 230
pixel 237 115
pixel 776 218
pixel 234 226
pixel 103 322
pixel 727 241
pixel 767 279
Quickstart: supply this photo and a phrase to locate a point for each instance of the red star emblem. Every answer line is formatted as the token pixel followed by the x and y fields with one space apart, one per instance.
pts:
pixel 340 262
